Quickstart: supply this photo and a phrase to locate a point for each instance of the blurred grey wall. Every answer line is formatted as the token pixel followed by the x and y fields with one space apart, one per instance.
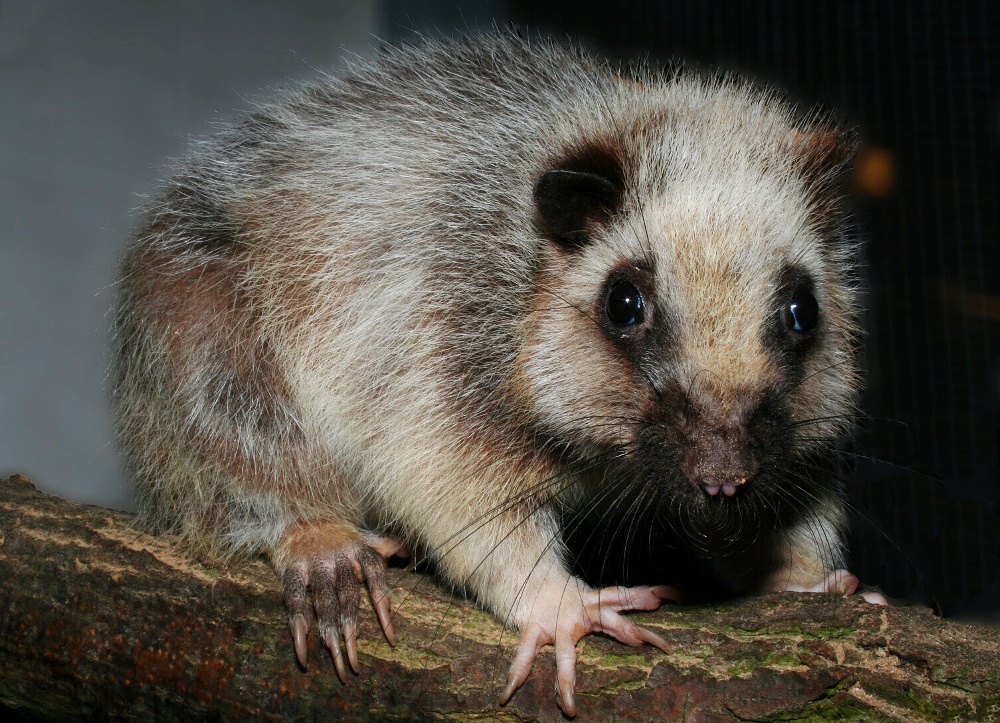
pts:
pixel 95 99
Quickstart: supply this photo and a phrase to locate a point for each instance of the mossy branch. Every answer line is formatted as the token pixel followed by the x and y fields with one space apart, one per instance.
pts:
pixel 98 620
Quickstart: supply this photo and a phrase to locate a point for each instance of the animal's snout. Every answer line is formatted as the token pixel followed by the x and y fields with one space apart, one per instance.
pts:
pixel 720 459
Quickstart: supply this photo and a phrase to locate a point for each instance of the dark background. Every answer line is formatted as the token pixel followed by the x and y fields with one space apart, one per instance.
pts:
pixel 95 97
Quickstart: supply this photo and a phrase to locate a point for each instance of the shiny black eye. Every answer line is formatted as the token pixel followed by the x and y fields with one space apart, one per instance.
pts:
pixel 802 311
pixel 624 304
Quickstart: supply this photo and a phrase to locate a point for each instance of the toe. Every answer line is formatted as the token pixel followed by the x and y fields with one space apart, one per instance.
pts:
pixel 566 672
pixel 631 598
pixel 372 567
pixel 294 586
pixel 326 601
pixel 625 631
pixel 532 639
pixel 840 581
pixel 666 592
pixel 349 599
pixel 875 597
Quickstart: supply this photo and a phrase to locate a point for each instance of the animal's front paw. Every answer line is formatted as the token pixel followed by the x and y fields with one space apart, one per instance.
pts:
pixel 838 582
pixel 563 614
pixel 324 567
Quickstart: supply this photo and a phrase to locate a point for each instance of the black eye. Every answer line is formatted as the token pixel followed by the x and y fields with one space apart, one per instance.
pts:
pixel 802 311
pixel 624 304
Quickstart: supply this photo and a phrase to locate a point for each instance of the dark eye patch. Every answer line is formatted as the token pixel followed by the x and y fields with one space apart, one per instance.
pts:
pixel 795 318
pixel 637 320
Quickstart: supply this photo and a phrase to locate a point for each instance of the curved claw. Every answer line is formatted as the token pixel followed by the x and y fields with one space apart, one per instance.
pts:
pixel 300 629
pixel 325 585
pixel 348 587
pixel 531 641
pixel 351 643
pixel 372 568
pixel 566 673
pixel 645 635
pixel 294 585
pixel 384 614
pixel 332 641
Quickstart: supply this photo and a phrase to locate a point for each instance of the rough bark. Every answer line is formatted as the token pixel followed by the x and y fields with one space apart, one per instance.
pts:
pixel 101 621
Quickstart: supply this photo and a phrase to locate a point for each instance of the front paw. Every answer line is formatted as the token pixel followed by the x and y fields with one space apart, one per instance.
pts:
pixel 838 582
pixel 324 566
pixel 564 614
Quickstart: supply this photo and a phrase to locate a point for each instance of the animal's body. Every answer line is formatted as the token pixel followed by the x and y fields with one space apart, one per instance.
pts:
pixel 440 299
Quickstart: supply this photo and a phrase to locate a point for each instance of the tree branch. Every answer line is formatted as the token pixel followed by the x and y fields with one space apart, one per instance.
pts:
pixel 99 620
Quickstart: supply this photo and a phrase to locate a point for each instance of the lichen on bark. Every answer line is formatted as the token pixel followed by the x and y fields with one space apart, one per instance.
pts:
pixel 99 620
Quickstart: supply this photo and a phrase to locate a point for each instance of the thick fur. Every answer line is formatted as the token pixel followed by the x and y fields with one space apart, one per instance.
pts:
pixel 349 308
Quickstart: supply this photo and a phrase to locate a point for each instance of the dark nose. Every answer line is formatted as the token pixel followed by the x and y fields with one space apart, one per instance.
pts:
pixel 720 459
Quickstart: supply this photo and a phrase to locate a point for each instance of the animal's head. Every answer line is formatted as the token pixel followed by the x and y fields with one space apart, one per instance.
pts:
pixel 695 308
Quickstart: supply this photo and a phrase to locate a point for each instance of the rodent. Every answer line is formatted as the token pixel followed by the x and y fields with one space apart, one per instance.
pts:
pixel 447 295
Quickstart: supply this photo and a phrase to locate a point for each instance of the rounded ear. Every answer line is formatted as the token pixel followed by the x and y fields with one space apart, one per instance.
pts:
pixel 825 154
pixel 570 202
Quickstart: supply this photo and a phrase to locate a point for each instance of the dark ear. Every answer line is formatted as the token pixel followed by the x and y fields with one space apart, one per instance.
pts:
pixel 571 202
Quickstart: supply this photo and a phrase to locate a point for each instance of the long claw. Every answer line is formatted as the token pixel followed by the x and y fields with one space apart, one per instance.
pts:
pixel 566 673
pixel 384 613
pixel 513 683
pixel 520 667
pixel 300 629
pixel 648 636
pixel 348 593
pixel 373 568
pixel 294 585
pixel 332 641
pixel 326 602
pixel 666 592
pixel 566 701
pixel 351 643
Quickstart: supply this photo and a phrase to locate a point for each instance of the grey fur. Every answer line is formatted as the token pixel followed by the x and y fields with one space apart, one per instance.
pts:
pixel 347 308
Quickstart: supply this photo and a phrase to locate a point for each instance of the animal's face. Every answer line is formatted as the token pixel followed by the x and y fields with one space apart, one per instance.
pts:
pixel 694 311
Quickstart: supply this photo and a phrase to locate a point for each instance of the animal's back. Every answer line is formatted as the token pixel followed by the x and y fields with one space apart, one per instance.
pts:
pixel 317 222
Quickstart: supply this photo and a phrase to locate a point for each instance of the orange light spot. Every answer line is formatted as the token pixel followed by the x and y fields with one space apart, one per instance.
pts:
pixel 875 171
